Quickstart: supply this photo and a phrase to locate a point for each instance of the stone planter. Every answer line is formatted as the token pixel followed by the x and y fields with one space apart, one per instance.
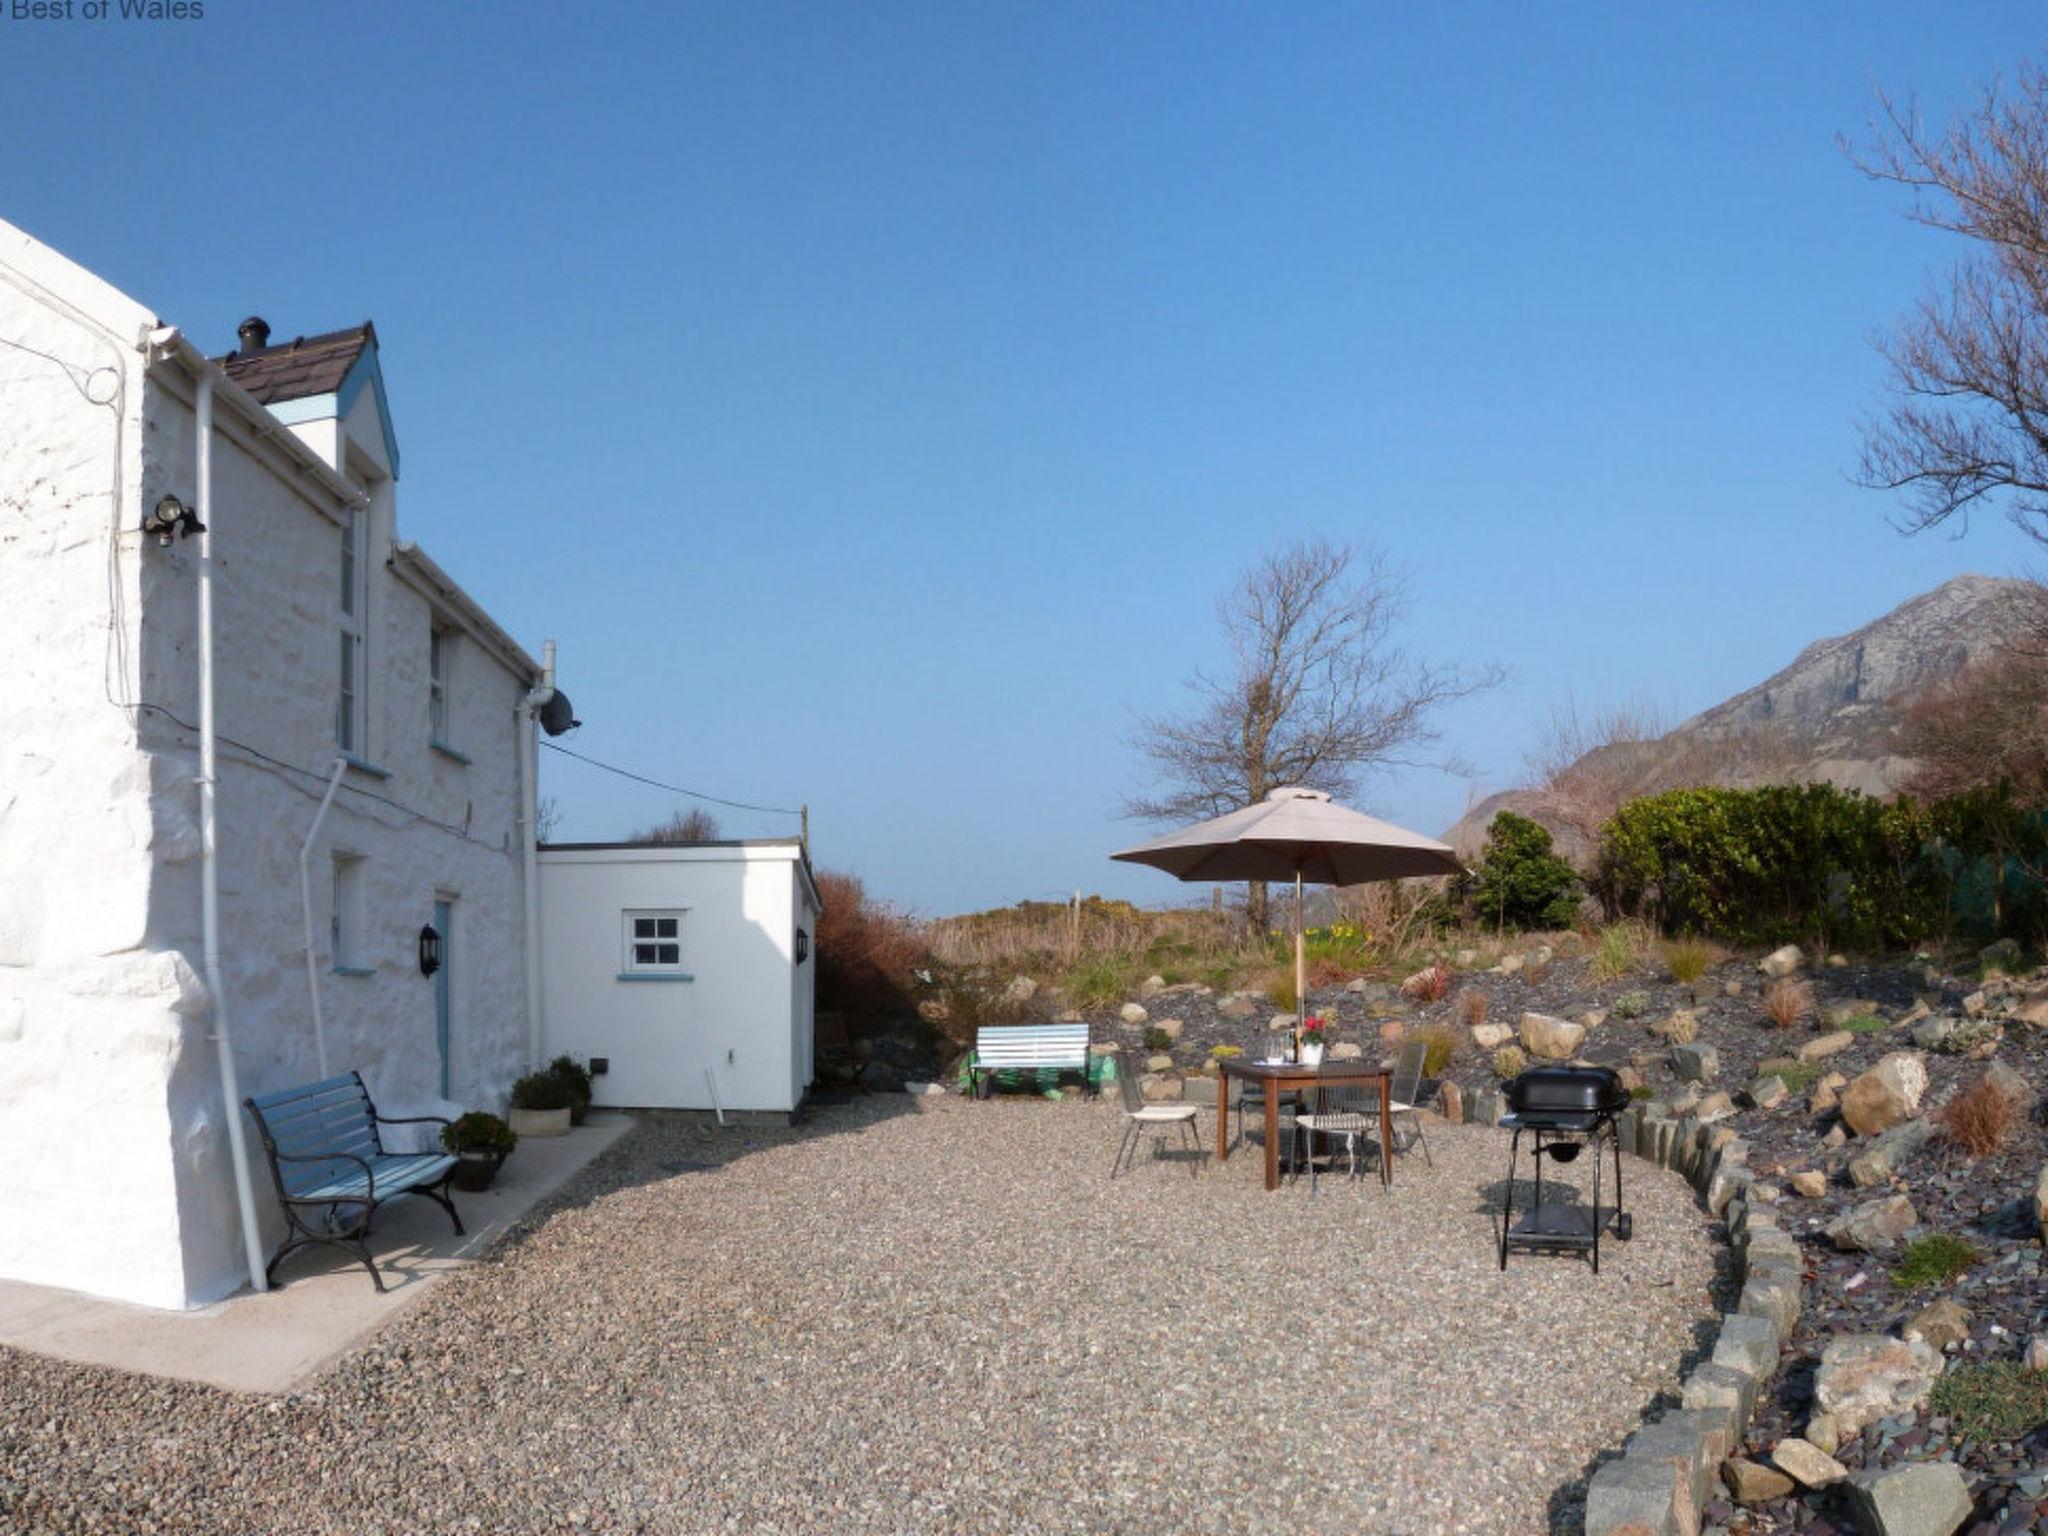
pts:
pixel 540 1122
pixel 474 1171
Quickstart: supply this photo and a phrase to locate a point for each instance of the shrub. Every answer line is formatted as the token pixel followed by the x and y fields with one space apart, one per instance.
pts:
pixel 1631 1005
pixel 1688 960
pixel 1471 1007
pixel 1933 1261
pixel 1442 1044
pixel 1682 1028
pixel 1101 980
pixel 1279 987
pixel 868 953
pixel 1993 1399
pixel 575 1074
pixel 1978 1118
pixel 1509 1061
pixel 1427 985
pixel 1520 883
pixel 1797 1076
pixel 1157 1039
pixel 1788 1000
pixel 1865 1024
pixel 542 1090
pixel 1614 956
pixel 478 1131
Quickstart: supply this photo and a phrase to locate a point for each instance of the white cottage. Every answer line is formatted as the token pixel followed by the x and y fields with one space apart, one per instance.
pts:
pixel 344 660
pixel 682 971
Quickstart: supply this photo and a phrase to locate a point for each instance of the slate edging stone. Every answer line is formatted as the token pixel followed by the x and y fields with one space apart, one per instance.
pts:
pixel 1667 1469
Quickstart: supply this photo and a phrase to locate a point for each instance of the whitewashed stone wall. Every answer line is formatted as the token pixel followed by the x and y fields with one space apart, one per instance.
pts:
pixel 111 1123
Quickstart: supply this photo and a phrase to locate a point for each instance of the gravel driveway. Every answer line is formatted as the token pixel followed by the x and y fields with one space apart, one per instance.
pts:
pixel 928 1316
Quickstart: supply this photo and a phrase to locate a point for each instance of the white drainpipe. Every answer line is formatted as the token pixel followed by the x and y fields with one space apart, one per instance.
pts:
pixel 306 911
pixel 209 863
pixel 529 837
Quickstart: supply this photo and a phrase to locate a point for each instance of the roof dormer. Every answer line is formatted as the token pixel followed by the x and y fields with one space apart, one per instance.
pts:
pixel 328 389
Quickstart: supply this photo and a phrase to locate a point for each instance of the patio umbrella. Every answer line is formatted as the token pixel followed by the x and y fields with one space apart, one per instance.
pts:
pixel 1298 834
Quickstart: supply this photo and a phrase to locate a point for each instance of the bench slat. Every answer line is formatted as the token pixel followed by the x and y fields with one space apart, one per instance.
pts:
pixel 348 1080
pixel 1014 1047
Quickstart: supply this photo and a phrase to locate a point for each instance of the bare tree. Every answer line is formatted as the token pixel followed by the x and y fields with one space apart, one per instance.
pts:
pixel 1317 692
pixel 1968 422
pixel 1587 764
pixel 696 825
pixel 547 815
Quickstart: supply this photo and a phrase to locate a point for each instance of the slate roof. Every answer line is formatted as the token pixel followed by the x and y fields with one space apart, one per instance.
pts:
pixel 305 365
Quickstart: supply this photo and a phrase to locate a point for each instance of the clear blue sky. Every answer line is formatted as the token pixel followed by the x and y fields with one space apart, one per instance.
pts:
pixel 871 399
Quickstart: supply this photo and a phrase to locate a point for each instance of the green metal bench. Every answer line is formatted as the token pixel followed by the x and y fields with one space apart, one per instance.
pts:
pixel 327 1157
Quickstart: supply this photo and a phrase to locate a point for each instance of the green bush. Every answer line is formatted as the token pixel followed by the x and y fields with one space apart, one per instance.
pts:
pixel 1933 1261
pixel 1614 956
pixel 575 1074
pixel 1157 1039
pixel 542 1090
pixel 1785 862
pixel 478 1131
pixel 1631 1005
pixel 1101 980
pixel 1865 1024
pixel 1520 883
pixel 1993 1400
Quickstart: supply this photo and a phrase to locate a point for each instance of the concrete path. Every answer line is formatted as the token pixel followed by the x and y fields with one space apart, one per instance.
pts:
pixel 326 1305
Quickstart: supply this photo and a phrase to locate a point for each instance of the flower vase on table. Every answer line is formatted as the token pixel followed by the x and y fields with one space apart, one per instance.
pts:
pixel 1314 1036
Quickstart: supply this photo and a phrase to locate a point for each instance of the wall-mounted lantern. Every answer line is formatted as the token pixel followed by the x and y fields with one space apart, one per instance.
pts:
pixel 430 950
pixel 803 946
pixel 171 517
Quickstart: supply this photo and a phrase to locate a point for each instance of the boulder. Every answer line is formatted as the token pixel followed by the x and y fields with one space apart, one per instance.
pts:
pixel 2041 1204
pixel 2002 955
pixel 1509 964
pixel 1864 1377
pixel 1782 962
pixel 1152 986
pixel 1593 1018
pixel 1450 1102
pixel 1159 1063
pixel 1806 1464
pixel 1491 1036
pixel 1827 1093
pixel 1237 1006
pixel 1822 1046
pixel 2036 1357
pixel 1551 1038
pixel 2017 1090
pixel 1885 1096
pixel 1941 1324
pixel 1641 1496
pixel 1715 1106
pixel 1824 1434
pixel 1133 1013
pixel 1839 1013
pixel 1281 1024
pixel 1810 1182
pixel 1920 1498
pixel 1021 989
pixel 1874 1165
pixel 1159 1087
pixel 1346 1050
pixel 1751 1482
pixel 2032 1009
pixel 1696 1063
pixel 1874 1226
pixel 1766 1092
pixel 1171 1028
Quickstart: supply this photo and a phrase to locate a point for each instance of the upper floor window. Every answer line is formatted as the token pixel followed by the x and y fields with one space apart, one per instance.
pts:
pixel 440 658
pixel 348 706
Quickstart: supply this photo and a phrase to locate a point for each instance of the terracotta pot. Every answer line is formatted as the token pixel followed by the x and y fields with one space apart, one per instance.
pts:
pixel 474 1171
pixel 540 1122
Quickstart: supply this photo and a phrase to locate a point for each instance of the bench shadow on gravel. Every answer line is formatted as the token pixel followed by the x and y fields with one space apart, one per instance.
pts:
pixel 679 1144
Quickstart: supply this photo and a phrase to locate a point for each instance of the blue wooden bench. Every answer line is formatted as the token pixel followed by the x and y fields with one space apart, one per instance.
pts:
pixel 1026 1048
pixel 328 1161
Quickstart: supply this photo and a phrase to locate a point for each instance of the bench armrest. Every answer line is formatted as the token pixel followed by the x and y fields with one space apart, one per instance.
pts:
pixel 369 1173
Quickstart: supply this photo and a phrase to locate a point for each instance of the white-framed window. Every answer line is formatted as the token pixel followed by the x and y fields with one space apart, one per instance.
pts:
pixel 440 662
pixel 346 924
pixel 348 704
pixel 654 941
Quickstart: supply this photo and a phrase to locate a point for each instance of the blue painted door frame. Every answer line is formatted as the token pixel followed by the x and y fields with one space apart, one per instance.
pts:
pixel 444 924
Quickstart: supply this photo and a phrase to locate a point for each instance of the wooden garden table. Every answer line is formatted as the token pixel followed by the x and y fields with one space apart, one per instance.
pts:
pixel 1284 1075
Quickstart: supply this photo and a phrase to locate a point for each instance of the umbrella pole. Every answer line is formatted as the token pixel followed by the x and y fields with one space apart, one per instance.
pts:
pixel 1300 968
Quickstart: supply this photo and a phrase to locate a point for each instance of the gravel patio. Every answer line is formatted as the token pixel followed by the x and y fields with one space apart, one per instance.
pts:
pixel 928 1315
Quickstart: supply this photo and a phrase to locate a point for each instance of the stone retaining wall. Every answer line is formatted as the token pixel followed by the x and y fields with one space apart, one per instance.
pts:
pixel 1663 1476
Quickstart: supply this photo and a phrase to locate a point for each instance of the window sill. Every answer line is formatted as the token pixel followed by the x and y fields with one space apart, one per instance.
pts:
pixel 357 765
pixel 655 976
pixel 353 970
pixel 452 754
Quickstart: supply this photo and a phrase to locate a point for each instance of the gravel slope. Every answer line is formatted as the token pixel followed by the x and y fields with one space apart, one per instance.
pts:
pixel 930 1316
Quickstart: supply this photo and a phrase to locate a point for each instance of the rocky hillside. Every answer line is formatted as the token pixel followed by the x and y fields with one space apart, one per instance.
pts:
pixel 1833 715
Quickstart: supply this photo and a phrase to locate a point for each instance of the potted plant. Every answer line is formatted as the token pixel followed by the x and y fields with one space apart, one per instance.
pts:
pixel 577 1076
pixel 540 1105
pixel 481 1142
pixel 1315 1035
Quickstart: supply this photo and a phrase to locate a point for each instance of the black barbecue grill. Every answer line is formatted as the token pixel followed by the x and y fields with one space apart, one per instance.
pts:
pixel 1564 1110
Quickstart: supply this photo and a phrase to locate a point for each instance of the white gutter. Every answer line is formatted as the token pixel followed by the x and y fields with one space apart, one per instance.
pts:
pixel 529 837
pixel 209 864
pixel 306 911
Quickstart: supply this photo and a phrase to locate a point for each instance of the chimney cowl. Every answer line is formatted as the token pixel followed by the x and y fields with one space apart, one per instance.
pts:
pixel 254 333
